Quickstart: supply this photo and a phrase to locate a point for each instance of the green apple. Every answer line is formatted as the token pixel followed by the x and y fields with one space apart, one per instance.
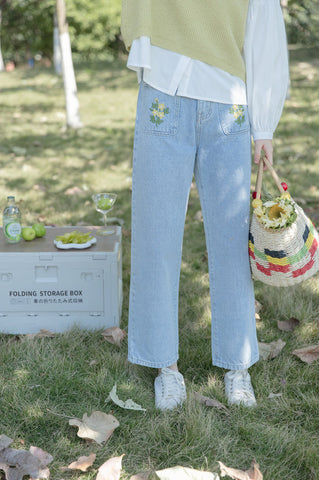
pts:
pixel 39 229
pixel 28 233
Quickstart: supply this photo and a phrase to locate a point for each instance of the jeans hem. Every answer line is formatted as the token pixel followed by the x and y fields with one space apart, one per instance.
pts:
pixel 235 366
pixel 145 363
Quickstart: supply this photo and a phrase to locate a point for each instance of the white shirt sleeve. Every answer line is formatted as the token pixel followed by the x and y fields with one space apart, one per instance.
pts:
pixel 267 68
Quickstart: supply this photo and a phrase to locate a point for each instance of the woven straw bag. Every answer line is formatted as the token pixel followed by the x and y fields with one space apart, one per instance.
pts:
pixel 286 256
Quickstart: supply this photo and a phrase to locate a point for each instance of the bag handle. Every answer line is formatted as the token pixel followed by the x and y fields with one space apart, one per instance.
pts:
pixel 264 161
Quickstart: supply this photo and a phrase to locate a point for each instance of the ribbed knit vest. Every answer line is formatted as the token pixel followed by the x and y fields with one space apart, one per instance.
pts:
pixel 212 31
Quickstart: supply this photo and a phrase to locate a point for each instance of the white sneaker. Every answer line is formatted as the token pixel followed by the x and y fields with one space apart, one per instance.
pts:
pixel 238 388
pixel 170 389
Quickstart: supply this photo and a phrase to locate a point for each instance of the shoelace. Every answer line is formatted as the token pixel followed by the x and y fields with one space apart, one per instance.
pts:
pixel 242 386
pixel 171 385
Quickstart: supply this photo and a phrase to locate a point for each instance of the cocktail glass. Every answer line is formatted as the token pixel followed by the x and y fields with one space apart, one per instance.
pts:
pixel 104 203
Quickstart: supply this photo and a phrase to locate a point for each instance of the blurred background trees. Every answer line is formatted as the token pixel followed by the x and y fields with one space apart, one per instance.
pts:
pixel 94 26
pixel 27 28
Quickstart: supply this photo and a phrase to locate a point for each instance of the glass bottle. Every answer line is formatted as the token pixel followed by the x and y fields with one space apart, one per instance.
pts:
pixel 11 221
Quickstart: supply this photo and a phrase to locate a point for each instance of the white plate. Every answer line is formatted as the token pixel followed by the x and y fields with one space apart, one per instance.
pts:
pixel 79 246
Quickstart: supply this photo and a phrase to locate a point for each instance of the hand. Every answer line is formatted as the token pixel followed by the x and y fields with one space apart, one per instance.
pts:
pixel 266 147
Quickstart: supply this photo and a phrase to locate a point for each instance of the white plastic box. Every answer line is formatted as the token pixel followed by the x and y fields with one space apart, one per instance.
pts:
pixel 42 287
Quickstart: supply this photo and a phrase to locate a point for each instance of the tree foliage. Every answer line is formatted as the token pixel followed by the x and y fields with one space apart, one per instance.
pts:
pixel 27 29
pixel 302 21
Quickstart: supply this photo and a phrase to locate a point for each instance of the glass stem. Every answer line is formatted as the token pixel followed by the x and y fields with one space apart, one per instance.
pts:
pixel 104 214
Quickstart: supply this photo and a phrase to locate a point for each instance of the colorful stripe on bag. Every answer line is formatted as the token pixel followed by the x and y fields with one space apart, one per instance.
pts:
pixel 279 261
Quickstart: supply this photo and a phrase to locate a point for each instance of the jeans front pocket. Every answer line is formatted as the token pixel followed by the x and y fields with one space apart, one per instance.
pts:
pixel 160 112
pixel 234 119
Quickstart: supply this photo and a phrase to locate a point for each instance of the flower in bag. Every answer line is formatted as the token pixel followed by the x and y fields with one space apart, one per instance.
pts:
pixel 277 213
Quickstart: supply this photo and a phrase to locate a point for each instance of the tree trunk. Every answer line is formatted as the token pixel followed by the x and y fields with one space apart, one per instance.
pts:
pixel 1 59
pixel 57 58
pixel 70 90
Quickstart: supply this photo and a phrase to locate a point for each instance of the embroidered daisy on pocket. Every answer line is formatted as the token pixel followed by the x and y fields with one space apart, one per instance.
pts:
pixel 158 112
pixel 238 112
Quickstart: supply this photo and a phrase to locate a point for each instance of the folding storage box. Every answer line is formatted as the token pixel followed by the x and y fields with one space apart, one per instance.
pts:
pixel 43 287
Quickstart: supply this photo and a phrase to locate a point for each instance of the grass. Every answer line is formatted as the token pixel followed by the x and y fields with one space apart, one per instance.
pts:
pixel 45 381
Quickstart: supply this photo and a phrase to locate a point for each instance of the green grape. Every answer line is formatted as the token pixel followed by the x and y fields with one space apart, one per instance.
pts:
pixel 104 203
pixel 74 237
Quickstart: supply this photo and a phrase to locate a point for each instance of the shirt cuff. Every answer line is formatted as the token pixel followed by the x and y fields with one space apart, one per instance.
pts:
pixel 262 135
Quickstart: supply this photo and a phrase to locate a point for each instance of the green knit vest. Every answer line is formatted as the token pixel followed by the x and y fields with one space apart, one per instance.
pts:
pixel 212 31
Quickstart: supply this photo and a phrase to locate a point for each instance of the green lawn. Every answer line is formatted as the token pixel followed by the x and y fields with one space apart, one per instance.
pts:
pixel 45 381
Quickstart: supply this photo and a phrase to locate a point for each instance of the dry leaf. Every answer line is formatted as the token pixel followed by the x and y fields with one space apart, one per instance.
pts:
pixel 5 441
pixel 252 474
pixel 288 325
pixel 268 351
pixel 39 188
pixel 307 354
pixel 43 457
pixel 111 469
pixel 128 404
pixel 183 473
pixel 43 333
pixel 210 402
pixel 18 463
pixel 198 216
pixel 258 306
pixel 114 335
pixel 14 338
pixel 141 476
pixel 73 191
pixel 82 463
pixel 274 395
pixel 98 427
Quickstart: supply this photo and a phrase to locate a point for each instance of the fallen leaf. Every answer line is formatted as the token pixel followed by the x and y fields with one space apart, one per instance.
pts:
pixel 140 476
pixel 274 395
pixel 5 441
pixel 18 463
pixel 198 216
pixel 210 402
pixel 307 354
pixel 268 351
pixel 39 188
pixel 114 335
pixel 43 333
pixel 128 404
pixel 111 469
pixel 13 339
pixel 183 473
pixel 126 233
pixel 258 306
pixel 98 427
pixel 252 474
pixel 43 457
pixel 73 191
pixel 288 325
pixel 82 463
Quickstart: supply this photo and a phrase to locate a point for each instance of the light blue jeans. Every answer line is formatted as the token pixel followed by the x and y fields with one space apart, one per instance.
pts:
pixel 176 138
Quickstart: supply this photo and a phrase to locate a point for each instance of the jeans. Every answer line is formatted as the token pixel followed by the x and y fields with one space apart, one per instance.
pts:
pixel 176 138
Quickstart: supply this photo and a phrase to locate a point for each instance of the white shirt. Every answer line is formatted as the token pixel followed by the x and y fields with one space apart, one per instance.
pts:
pixel 267 72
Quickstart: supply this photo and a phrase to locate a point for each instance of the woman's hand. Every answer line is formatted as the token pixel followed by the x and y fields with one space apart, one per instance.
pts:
pixel 266 147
